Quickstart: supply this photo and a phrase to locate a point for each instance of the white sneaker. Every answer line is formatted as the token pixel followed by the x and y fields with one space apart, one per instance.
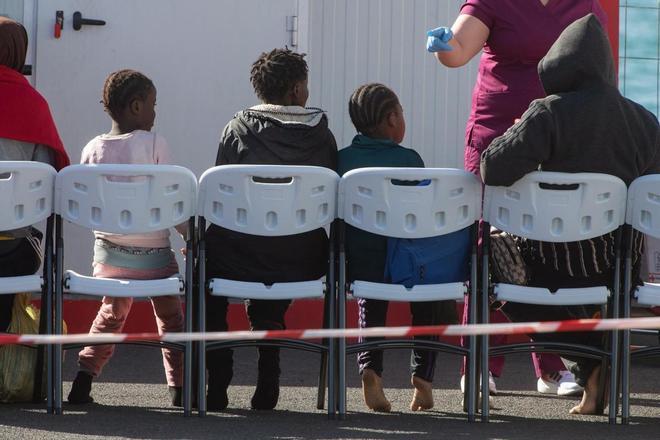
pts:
pixel 568 386
pixel 561 383
pixel 492 388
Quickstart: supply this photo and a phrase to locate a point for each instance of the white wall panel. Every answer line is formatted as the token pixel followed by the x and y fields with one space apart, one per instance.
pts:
pixel 352 42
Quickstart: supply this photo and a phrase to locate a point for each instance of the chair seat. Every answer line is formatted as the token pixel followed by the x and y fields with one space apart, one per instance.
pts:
pixel 24 284
pixel 648 294
pixel 243 289
pixel 397 292
pixel 84 285
pixel 543 296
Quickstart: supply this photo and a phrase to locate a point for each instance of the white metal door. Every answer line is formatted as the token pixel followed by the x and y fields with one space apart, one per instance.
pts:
pixel 197 52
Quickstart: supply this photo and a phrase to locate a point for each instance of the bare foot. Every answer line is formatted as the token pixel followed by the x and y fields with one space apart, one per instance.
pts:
pixel 423 397
pixel 589 396
pixel 372 389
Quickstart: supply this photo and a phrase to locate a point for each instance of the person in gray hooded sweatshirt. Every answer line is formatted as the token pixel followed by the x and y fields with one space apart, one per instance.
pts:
pixel 583 125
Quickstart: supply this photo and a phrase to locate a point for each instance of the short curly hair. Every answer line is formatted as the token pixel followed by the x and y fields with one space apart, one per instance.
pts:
pixel 123 86
pixel 275 73
pixel 369 105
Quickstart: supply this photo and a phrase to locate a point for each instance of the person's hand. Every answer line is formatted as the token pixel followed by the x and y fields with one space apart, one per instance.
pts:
pixel 438 39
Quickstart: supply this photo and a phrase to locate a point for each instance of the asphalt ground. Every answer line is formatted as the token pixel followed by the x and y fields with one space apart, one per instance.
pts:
pixel 132 402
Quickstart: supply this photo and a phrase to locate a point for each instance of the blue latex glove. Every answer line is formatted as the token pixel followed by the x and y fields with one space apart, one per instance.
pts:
pixel 438 38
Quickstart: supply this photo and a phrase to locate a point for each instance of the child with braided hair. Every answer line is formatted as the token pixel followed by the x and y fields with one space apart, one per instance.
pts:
pixel 129 98
pixel 378 117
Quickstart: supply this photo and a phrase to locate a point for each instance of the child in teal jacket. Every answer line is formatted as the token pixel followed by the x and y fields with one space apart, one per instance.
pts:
pixel 378 117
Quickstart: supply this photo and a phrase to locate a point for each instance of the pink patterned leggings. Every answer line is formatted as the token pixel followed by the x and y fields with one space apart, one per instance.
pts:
pixel 113 313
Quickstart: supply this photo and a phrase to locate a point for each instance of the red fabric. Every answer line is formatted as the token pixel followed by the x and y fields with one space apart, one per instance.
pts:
pixel 25 116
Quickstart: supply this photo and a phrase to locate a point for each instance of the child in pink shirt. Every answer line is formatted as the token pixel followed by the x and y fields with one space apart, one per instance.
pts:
pixel 129 98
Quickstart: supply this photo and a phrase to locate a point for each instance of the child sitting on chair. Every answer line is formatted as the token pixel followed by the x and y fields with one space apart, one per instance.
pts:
pixel 129 98
pixel 378 117
pixel 279 131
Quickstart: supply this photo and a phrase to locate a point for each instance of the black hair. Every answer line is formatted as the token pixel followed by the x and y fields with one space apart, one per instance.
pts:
pixel 369 106
pixel 275 73
pixel 122 87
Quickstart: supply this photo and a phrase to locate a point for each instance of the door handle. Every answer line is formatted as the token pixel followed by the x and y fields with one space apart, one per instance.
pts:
pixel 79 21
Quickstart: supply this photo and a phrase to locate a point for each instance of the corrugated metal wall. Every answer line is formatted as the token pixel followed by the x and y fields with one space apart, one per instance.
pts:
pixel 352 42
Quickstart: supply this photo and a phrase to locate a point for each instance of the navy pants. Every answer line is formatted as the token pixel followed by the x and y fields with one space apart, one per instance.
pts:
pixel 373 313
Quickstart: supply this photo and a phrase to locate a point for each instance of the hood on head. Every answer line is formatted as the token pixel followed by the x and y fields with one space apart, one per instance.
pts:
pixel 580 57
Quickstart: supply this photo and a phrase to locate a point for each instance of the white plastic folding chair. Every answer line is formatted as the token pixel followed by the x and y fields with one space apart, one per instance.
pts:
pixel 557 208
pixel 269 201
pixel 382 201
pixel 124 199
pixel 26 199
pixel 643 215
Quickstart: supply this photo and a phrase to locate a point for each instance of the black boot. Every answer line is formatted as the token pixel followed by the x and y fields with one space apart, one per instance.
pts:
pixel 268 383
pixel 220 366
pixel 82 386
pixel 216 396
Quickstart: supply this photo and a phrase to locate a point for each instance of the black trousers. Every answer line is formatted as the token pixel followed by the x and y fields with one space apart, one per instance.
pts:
pixel 373 313
pixel 263 315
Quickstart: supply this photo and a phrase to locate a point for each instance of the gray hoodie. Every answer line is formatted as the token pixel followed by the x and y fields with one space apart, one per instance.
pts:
pixel 583 125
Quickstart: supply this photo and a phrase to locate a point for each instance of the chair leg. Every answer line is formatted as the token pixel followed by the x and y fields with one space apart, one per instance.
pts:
pixel 57 378
pixel 341 324
pixel 614 382
pixel 323 371
pixel 57 326
pixel 471 392
pixel 41 352
pixel 201 318
pixel 625 379
pixel 602 381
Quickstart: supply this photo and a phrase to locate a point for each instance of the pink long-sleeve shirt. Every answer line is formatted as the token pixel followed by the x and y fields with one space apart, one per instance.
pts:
pixel 137 147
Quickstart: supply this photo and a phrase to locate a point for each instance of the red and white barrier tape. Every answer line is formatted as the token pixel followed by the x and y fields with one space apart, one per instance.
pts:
pixel 580 325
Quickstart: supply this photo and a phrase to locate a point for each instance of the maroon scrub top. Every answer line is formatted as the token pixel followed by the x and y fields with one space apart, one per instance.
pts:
pixel 521 33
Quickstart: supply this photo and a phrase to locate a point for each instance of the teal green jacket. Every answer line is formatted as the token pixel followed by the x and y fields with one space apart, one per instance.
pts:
pixel 366 252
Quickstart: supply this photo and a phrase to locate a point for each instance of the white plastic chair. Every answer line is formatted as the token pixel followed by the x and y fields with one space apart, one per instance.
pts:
pixel 643 215
pixel 378 201
pixel 269 201
pixel 125 199
pixel 26 190
pixel 555 207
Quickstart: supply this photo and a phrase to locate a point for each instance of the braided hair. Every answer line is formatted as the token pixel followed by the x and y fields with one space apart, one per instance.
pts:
pixel 275 73
pixel 122 87
pixel 369 106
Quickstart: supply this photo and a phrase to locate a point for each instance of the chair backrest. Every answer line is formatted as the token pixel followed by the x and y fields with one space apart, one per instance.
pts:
pixel 268 200
pixel 26 191
pixel 386 201
pixel 643 209
pixel 557 207
pixel 125 199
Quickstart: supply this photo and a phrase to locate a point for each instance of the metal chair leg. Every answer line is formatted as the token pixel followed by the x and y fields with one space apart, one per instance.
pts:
pixel 201 318
pixel 323 371
pixel 341 324
pixel 57 349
